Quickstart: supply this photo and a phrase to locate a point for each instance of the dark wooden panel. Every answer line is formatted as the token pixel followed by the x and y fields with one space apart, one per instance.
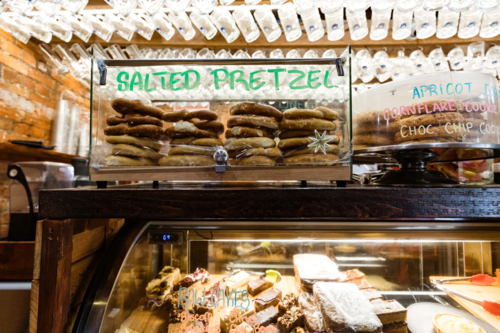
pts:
pixel 15 153
pixel 326 203
pixel 55 276
pixel 16 260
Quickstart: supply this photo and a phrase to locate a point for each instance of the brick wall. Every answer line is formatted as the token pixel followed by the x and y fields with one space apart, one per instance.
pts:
pixel 29 94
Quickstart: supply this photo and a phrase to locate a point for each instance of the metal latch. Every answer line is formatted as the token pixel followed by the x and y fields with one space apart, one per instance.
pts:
pixel 220 156
pixel 101 66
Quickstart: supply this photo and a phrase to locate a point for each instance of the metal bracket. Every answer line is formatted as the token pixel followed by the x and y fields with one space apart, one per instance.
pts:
pixel 340 68
pixel 101 66
pixel 220 156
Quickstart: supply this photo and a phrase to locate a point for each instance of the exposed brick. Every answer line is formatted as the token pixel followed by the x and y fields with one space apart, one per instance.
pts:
pixel 5 216
pixel 43 78
pixel 10 75
pixel 4 204
pixel 28 82
pixel 21 128
pixel 34 119
pixel 73 85
pixel 13 136
pixel 12 49
pixel 6 124
pixel 31 47
pixel 42 66
pixel 37 132
pixel 13 114
pixel 28 58
pixel 43 90
pixel 14 88
pixel 42 100
pixel 14 63
pixel 4 229
pixel 6 35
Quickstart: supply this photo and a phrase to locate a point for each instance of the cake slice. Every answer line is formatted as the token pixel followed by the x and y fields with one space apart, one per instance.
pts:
pixel 351 275
pixel 312 268
pixel 389 311
pixel 313 319
pixel 396 328
pixel 270 298
pixel 371 294
pixel 258 285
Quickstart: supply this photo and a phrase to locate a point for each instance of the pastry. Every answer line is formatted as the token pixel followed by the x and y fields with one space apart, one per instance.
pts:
pixel 191 150
pixel 383 126
pixel 300 133
pixel 308 124
pixel 298 329
pixel 311 159
pixel 293 317
pixel 191 140
pixel 242 328
pixel 451 323
pixel 371 294
pixel 360 146
pixel 132 140
pixel 327 113
pixel 351 275
pixel 363 284
pixel 272 329
pixel 270 298
pixel 389 311
pixel 125 106
pixel 330 149
pixel 248 132
pixel 312 268
pixel 344 308
pixel 133 151
pixel 187 131
pixel 396 328
pixel 369 117
pixel 313 318
pixel 133 120
pixel 269 152
pixel 148 131
pixel 266 316
pixel 433 140
pixel 433 119
pixel 257 286
pixel 237 280
pixel 304 141
pixel 287 303
pixel 186 160
pixel 244 143
pixel 256 160
pixel 256 109
pixel 175 116
pixel 230 317
pixel 129 161
pixel 253 121
pixel 372 139
pixel 209 125
pixel 199 275
pixel 431 131
pixel 302 114
pixel 433 106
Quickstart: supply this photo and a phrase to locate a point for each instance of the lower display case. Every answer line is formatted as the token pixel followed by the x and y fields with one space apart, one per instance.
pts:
pixel 218 277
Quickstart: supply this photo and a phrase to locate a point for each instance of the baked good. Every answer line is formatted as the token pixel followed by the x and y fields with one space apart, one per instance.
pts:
pixel 396 328
pixel 208 142
pixel 369 117
pixel 237 280
pixel 266 316
pixel 256 160
pixel 327 113
pixel 389 311
pixel 270 298
pixel 351 275
pixel 433 106
pixel 312 268
pixel 313 319
pixel 231 316
pixel 199 275
pixel 360 146
pixel 257 286
pixel 452 323
pixel 302 114
pixel 371 294
pixel 304 141
pixel 133 151
pixel 242 328
pixel 293 317
pixel 126 106
pixel 372 139
pixel 330 149
pixel 269 152
pixel 248 132
pixel 298 329
pixel 433 119
pixel 132 140
pixel 287 303
pixel 186 160
pixel 133 120
pixel 256 109
pixel 244 143
pixel 148 131
pixel 187 131
pixel 433 140
pixel 308 124
pixel 186 126
pixel 381 126
pixel 363 284
pixel 253 121
pixel 311 159
pixel 209 125
pixel 272 329
pixel 191 150
pixel 129 161
pixel 432 131
pixel 344 308
pixel 175 116
pixel 286 134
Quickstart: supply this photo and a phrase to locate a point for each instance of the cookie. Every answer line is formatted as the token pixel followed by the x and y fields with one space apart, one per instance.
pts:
pixel 183 141
pixel 372 139
pixel 209 125
pixel 433 131
pixel 308 124
pixel 133 151
pixel 256 160
pixel 245 143
pixel 148 131
pixel 332 149
pixel 175 116
pixel 248 132
pixel 253 121
pixel 133 120
pixel 311 159
pixel 327 113
pixel 433 140
pixel 208 142
pixel 124 160
pixel 301 142
pixel 433 119
pixel 183 129
pixel 302 114
pixel 301 133
pixel 132 140
pixel 186 160
pixel 256 109
pixel 432 107
pixel 368 117
pixel 191 150
pixel 381 126
pixel 360 146
pixel 126 106
pixel 269 152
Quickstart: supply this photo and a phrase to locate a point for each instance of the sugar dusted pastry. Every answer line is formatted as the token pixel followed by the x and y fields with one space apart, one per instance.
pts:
pixel 389 312
pixel 312 268
pixel 451 323
pixel 351 275
pixel 237 280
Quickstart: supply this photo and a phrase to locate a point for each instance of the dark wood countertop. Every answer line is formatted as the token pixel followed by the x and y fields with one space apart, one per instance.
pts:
pixel 279 202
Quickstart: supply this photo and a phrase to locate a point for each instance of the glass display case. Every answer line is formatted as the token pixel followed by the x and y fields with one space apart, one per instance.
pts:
pixel 188 277
pixel 221 119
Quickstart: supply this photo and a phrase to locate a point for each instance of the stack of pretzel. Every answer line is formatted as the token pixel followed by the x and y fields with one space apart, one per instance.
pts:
pixel 193 138
pixel 298 129
pixel 135 133
pixel 250 134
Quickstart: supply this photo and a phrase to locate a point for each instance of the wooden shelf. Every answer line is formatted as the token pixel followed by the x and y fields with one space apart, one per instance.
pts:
pixel 18 153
